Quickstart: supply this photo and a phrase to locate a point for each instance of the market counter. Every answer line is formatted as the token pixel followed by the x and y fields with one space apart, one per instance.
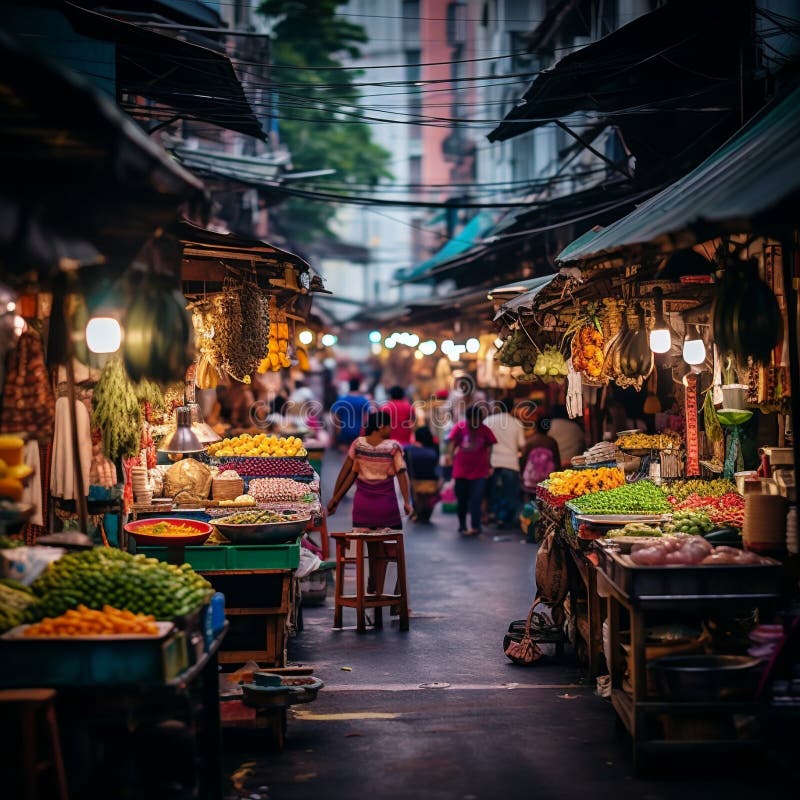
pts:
pixel 657 724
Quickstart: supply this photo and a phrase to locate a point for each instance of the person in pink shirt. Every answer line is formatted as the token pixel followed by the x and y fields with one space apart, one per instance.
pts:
pixel 471 445
pixel 402 415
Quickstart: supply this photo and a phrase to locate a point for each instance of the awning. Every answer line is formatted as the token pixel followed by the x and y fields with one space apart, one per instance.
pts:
pixel 751 183
pixel 513 289
pixel 684 52
pixel 466 239
pixel 196 80
pixel 209 257
pixel 73 164
pixel 525 300
pixel 246 169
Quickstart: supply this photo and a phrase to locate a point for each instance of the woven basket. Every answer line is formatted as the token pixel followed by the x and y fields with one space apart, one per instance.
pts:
pixel 226 488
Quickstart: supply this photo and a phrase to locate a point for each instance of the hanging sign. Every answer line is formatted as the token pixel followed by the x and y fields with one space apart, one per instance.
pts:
pixel 692 437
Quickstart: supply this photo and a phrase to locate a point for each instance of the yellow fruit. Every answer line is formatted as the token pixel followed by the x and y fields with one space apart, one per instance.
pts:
pixel 11 488
pixel 11 450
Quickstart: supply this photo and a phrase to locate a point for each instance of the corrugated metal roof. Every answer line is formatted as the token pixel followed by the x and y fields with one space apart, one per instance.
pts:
pixel 733 190
pixel 526 300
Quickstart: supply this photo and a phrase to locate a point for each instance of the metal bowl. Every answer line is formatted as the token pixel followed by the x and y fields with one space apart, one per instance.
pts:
pixel 263 532
pixel 714 677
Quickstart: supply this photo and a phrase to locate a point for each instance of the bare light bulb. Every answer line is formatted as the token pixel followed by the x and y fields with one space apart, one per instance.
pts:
pixel 103 335
pixel 660 340
pixel 694 351
pixel 305 337
pixel 473 345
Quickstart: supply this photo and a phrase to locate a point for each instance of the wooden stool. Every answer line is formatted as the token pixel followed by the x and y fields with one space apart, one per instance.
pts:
pixel 23 709
pixel 382 548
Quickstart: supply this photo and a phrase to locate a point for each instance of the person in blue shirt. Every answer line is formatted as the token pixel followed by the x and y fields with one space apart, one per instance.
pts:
pixel 422 458
pixel 349 414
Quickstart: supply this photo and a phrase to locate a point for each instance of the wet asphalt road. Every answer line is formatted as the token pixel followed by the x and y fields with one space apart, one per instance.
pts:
pixel 439 713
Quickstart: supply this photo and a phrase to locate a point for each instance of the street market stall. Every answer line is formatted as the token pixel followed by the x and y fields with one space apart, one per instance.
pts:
pixel 125 621
pixel 680 530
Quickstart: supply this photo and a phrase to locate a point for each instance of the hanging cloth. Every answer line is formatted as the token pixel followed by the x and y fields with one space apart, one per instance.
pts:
pixel 62 471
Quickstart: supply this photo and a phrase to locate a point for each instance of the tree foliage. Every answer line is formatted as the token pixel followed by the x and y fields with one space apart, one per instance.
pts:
pixel 311 100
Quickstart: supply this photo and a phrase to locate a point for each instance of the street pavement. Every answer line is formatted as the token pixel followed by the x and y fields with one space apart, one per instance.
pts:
pixel 439 713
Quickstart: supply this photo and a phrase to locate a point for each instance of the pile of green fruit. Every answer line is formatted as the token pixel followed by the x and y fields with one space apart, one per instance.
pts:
pixel 642 497
pixel 695 523
pixel 7 543
pixel 634 529
pixel 106 576
pixel 680 490
pixel 17 605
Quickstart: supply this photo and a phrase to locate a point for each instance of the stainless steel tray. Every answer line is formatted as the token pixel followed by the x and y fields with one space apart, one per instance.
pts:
pixel 687 582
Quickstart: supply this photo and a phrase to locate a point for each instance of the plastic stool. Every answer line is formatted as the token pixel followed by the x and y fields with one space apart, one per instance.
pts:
pixel 382 548
pixel 24 709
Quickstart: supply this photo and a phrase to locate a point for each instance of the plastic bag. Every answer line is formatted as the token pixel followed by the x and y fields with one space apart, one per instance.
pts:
pixel 26 564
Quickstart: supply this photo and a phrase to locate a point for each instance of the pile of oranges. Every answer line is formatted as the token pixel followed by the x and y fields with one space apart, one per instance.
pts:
pixel 577 482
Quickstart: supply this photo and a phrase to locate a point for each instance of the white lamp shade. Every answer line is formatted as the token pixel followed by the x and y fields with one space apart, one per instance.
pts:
pixel 694 351
pixel 103 335
pixel 660 340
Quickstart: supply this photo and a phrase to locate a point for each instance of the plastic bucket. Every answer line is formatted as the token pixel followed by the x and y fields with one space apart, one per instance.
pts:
pixel 734 396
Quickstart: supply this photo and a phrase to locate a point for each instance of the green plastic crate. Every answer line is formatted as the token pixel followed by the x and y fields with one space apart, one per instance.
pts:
pixel 207 558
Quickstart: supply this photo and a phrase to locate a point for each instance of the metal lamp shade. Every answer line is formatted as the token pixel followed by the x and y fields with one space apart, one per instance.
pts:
pixel 182 439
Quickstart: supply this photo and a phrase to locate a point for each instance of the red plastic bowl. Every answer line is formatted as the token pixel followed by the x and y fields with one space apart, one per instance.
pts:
pixel 203 529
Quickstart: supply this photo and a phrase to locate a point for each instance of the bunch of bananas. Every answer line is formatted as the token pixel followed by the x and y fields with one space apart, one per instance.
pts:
pixel 278 354
pixel 207 376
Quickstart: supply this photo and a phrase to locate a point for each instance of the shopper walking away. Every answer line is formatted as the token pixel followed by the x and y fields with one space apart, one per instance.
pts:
pixel 471 442
pixel 540 457
pixel 422 459
pixel 402 415
pixel 504 489
pixel 373 462
pixel 568 435
pixel 349 414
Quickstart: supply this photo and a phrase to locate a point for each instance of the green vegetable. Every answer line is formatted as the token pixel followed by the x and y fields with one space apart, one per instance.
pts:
pixel 116 412
pixel 257 518
pixel 695 523
pixel 642 497
pixel 17 606
pixel 108 576
pixel 634 529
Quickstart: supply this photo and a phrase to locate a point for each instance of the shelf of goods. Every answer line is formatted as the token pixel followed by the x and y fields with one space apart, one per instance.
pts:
pixel 658 719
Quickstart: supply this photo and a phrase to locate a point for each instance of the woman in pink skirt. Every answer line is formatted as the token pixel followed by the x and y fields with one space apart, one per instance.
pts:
pixel 373 463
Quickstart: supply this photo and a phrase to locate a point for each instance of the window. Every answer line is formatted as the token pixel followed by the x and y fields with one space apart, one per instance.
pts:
pixel 456 23
pixel 415 170
pixel 411 20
